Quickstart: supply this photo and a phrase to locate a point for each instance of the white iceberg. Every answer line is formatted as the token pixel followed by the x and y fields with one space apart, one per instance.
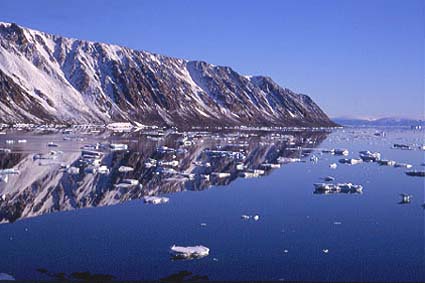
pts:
pixel 189 252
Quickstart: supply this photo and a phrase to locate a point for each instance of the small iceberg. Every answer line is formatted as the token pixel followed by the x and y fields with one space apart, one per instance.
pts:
pixel 155 200
pixel 403 165
pixel 342 151
pixel 405 198
pixel 345 188
pixel 333 165
pixel 351 161
pixel 385 162
pixel 194 252
pixel 369 156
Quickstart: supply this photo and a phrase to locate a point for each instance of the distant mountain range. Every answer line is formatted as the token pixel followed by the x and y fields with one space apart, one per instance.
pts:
pixel 379 122
pixel 47 78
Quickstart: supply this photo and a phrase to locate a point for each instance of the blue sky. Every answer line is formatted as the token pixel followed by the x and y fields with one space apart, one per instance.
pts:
pixel 355 58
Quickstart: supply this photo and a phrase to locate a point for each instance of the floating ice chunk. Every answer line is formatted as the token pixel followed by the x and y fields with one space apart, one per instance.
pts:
pixel 256 217
pixel 249 174
pixel 369 156
pixel 22 141
pixel 325 251
pixel 405 198
pixel 245 217
pixel 346 188
pixel 124 169
pixel 403 165
pixel 351 161
pixel 5 150
pixel 155 200
pixel 10 141
pixel 333 165
pixel 385 162
pixel 341 151
pixel 52 144
pixel 415 173
pixel 189 252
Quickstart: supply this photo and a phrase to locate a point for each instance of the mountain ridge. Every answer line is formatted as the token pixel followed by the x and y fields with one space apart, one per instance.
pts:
pixel 50 78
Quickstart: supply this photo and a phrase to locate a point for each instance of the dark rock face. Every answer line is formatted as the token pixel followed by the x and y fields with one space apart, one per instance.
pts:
pixel 52 78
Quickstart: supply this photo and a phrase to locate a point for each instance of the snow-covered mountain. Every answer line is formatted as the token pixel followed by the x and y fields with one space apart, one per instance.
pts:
pixel 50 78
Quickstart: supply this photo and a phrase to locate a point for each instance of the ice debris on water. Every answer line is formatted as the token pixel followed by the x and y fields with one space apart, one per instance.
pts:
pixel 385 162
pixel 369 156
pixel 342 151
pixel 255 217
pixel 405 198
pixel 245 217
pixel 333 165
pixel 351 161
pixel 403 165
pixel 189 252
pixel 155 200
pixel 345 188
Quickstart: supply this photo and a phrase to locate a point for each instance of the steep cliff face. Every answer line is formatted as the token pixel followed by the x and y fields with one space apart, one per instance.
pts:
pixel 45 78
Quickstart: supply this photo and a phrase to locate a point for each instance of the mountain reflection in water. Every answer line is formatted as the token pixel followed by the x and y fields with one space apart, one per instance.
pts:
pixel 163 162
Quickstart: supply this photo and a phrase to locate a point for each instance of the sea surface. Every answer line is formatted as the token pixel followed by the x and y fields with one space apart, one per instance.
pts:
pixel 62 218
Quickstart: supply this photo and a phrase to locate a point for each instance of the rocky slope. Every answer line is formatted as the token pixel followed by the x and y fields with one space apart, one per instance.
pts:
pixel 49 78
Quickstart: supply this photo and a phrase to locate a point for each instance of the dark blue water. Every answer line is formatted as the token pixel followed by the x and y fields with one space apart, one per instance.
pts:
pixel 369 236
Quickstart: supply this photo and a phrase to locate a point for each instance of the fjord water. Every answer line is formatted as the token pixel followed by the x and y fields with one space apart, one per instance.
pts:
pixel 299 236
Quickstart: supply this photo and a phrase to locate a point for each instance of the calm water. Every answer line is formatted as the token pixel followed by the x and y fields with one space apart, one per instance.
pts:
pixel 56 223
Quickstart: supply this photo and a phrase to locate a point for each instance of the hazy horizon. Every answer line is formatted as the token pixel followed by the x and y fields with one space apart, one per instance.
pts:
pixel 356 59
